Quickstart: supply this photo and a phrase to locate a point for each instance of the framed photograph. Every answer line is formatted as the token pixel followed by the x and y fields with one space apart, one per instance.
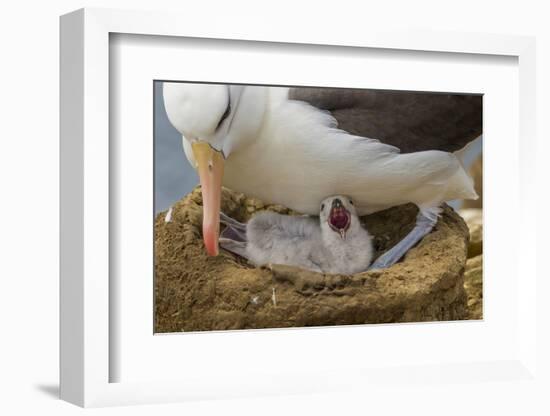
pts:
pixel 281 213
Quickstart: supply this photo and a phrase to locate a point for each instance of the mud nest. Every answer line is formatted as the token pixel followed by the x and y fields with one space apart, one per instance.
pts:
pixel 194 292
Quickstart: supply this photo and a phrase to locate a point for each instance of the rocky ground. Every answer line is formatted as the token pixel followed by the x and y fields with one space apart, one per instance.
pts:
pixel 194 292
pixel 473 276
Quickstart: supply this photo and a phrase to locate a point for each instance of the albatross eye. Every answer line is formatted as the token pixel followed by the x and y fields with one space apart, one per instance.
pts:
pixel 225 114
pixel 322 207
pixel 351 202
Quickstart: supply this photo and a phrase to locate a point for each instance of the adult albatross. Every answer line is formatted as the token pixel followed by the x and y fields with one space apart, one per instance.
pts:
pixel 296 146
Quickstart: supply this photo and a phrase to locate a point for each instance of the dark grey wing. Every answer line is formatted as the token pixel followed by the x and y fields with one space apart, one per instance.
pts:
pixel 410 121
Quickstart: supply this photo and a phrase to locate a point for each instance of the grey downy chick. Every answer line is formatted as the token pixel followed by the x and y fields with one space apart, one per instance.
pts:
pixel 334 243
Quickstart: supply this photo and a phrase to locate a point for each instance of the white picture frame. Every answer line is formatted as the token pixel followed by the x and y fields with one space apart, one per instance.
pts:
pixel 85 163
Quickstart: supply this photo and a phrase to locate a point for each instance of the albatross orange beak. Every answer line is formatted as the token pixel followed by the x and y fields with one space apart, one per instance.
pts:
pixel 210 167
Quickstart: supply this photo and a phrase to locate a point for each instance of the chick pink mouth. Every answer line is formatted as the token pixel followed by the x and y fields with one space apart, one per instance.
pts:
pixel 339 219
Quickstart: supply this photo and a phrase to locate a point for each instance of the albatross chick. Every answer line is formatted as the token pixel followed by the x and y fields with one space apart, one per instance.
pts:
pixel 334 243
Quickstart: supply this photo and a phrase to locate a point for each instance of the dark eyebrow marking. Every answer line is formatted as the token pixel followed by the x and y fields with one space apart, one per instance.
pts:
pixel 227 111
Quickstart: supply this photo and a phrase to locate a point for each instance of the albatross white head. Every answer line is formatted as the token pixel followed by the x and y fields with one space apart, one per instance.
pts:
pixel 214 121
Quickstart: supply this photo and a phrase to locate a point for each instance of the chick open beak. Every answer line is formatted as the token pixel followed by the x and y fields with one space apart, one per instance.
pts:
pixel 339 218
pixel 210 168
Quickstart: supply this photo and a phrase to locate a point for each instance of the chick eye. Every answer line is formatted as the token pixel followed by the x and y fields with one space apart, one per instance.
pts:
pixel 351 202
pixel 322 207
pixel 225 114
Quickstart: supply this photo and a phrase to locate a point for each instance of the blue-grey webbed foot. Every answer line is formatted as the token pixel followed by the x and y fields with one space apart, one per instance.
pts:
pixel 234 230
pixel 227 220
pixel 233 237
pixel 424 224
